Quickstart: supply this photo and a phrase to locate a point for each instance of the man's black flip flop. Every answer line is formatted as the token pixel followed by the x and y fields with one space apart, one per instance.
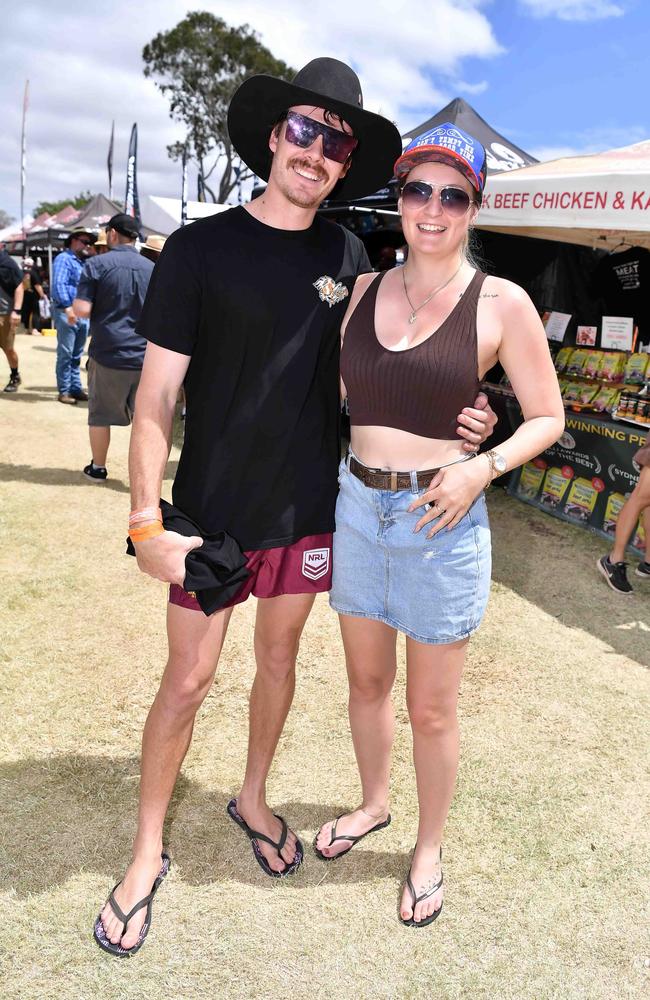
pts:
pixel 100 934
pixel 254 836
pixel 347 836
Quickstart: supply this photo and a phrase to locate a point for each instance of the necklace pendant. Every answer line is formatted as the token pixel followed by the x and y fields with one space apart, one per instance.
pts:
pixel 412 319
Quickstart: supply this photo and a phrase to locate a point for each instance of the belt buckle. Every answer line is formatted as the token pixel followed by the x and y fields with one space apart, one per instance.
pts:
pixel 393 482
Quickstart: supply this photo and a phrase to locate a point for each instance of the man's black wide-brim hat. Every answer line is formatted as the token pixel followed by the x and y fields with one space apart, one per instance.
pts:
pixel 261 101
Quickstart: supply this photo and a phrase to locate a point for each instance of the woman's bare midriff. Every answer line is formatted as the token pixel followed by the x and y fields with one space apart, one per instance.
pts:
pixel 401 451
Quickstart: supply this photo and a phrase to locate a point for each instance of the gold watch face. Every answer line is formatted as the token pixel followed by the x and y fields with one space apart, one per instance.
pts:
pixel 499 462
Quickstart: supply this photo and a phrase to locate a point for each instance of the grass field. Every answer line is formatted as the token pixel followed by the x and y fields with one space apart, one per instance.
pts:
pixel 546 851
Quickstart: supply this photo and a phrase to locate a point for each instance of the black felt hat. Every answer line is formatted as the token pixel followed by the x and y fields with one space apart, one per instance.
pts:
pixel 323 83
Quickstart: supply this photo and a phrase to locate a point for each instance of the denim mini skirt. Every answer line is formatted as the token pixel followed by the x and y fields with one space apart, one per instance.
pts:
pixel 435 590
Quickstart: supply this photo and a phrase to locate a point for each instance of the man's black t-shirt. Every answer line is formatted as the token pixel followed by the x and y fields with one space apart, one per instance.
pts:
pixel 261 432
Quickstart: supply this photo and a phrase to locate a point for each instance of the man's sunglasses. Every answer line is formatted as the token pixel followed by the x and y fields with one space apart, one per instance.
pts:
pixel 453 200
pixel 86 243
pixel 303 132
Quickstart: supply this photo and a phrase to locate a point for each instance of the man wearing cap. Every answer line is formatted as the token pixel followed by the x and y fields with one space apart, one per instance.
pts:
pixel 71 331
pixel 244 309
pixel 111 292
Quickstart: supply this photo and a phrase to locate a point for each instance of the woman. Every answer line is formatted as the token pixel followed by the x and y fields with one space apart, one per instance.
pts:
pixel 412 545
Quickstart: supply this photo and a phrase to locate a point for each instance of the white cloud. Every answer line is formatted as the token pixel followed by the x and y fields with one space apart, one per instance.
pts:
pixel 471 88
pixel 591 141
pixel 86 69
pixel 573 10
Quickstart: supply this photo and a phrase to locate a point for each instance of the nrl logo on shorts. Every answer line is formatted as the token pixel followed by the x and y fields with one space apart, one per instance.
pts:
pixel 315 563
pixel 330 291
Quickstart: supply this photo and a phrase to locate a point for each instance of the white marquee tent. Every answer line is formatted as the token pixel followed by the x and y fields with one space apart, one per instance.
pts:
pixel 600 200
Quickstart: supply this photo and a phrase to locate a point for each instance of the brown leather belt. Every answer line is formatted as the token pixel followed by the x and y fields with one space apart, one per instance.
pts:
pixel 377 479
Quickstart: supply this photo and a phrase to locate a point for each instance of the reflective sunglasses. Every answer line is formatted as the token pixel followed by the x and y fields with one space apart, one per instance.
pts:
pixel 303 132
pixel 453 200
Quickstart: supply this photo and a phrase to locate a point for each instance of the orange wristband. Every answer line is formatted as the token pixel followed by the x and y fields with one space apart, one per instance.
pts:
pixel 149 531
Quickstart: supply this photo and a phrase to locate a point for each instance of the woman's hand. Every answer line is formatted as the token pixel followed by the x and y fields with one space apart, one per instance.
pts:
pixel 451 493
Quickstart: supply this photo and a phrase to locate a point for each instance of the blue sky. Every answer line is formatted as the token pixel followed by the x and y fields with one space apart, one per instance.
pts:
pixel 555 76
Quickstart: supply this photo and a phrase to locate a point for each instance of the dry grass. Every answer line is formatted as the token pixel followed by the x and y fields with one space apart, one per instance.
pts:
pixel 546 847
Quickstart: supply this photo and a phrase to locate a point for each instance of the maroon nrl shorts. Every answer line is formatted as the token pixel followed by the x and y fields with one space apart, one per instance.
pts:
pixel 302 568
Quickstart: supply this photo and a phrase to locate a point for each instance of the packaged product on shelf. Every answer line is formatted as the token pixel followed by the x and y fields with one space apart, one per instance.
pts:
pixel 571 392
pixel 587 393
pixel 577 362
pixel 530 481
pixel 593 364
pixel 636 367
pixel 562 358
pixel 554 488
pixel 606 399
pixel 613 366
pixel 581 500
pixel 615 503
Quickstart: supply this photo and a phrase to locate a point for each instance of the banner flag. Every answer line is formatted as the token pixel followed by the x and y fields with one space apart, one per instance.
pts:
pixel 131 200
pixel 109 162
pixel 184 190
pixel 23 159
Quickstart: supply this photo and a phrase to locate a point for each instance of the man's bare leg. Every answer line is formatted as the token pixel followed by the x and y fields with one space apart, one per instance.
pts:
pixel 195 643
pixel 100 438
pixel 278 627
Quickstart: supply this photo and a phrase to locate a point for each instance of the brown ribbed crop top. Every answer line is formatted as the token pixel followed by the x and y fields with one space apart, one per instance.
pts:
pixel 421 389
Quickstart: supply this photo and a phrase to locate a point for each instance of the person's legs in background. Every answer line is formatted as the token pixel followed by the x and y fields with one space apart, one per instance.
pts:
pixel 7 333
pixel 65 340
pixel 80 336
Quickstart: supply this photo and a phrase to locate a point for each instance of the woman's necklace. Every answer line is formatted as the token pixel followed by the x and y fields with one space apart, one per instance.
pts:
pixel 414 311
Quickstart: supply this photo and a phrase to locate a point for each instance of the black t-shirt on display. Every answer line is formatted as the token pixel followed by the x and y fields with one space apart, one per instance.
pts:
pixel 622 282
pixel 261 445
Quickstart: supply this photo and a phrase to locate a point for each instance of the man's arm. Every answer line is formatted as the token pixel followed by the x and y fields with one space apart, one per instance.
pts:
pixel 163 556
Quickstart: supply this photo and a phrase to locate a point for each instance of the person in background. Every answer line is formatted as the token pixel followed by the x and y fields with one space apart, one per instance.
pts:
pixel 30 315
pixel 111 292
pixel 71 330
pixel 152 247
pixel 613 566
pixel 11 300
pixel 101 246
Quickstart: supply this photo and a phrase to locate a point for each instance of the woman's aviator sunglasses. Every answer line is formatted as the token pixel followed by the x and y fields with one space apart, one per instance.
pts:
pixel 453 200
pixel 303 132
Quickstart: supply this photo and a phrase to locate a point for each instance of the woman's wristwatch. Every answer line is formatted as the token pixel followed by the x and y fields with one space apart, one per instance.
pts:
pixel 498 464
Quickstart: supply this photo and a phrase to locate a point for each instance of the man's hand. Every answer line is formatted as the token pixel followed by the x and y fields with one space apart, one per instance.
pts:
pixel 14 320
pixel 476 423
pixel 163 556
pixel 70 316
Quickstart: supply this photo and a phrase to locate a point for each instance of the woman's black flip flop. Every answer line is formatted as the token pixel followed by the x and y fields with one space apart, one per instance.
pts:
pixel 100 934
pixel 349 836
pixel 418 899
pixel 254 836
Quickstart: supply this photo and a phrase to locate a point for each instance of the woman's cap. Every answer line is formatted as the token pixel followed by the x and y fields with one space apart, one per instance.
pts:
pixel 446 143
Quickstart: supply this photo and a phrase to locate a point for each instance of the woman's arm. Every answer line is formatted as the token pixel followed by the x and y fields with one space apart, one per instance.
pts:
pixel 524 354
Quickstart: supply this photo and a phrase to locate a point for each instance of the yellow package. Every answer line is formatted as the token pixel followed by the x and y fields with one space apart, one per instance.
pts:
pixel 606 399
pixel 577 362
pixel 593 364
pixel 530 481
pixel 636 367
pixel 615 502
pixel 612 366
pixel 573 390
pixel 554 488
pixel 562 358
pixel 581 500
pixel 587 393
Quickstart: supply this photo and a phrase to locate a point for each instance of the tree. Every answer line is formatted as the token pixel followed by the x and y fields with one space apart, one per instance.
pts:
pixel 5 219
pixel 199 65
pixel 52 207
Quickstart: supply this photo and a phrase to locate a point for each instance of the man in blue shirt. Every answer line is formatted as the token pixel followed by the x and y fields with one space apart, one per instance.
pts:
pixel 71 330
pixel 111 291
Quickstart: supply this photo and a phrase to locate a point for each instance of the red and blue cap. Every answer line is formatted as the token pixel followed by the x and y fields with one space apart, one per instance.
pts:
pixel 446 143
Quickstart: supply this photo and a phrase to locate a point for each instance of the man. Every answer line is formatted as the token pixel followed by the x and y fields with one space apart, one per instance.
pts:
pixel 71 332
pixel 244 308
pixel 111 292
pixel 11 300
pixel 152 247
